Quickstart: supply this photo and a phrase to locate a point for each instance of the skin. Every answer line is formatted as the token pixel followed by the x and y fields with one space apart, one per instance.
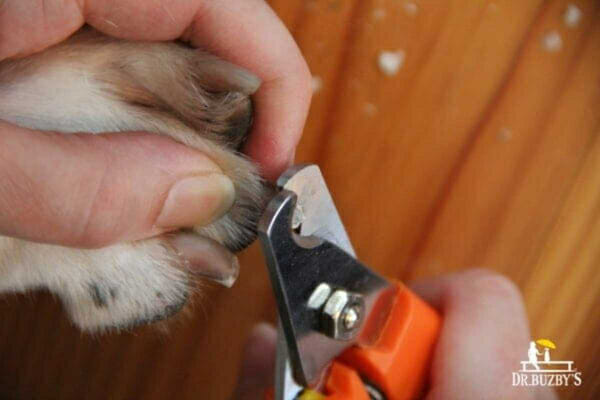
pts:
pixel 484 336
pixel 236 30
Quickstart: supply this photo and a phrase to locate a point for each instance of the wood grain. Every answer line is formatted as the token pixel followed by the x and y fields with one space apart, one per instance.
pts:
pixel 483 150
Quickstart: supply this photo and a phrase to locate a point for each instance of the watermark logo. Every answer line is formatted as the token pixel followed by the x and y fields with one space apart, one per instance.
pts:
pixel 545 371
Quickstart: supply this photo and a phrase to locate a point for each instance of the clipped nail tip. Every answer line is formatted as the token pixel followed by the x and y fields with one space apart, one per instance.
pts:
pixel 292 156
pixel 230 280
pixel 206 258
pixel 197 201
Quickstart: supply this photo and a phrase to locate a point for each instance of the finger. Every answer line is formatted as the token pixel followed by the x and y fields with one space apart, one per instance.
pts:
pixel 433 290
pixel 258 364
pixel 94 190
pixel 484 336
pixel 236 30
pixel 27 26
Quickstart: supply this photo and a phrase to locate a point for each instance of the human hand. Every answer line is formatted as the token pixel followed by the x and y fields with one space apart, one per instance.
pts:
pixel 76 189
pixel 484 335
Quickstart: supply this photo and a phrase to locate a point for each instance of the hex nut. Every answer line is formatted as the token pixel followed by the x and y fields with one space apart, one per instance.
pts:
pixel 319 296
pixel 341 307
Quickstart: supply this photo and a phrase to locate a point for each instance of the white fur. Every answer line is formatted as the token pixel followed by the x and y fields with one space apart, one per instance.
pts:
pixel 117 286
pixel 59 100
pixel 125 284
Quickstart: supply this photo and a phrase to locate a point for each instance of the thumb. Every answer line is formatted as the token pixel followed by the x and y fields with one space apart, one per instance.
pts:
pixel 93 190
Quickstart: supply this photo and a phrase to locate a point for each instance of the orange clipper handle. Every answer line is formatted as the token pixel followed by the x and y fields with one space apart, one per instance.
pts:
pixel 398 362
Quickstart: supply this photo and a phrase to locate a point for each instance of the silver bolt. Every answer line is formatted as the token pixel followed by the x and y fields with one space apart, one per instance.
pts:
pixel 351 317
pixel 342 314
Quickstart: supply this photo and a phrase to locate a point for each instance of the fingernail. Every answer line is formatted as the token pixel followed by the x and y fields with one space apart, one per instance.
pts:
pixel 292 156
pixel 197 201
pixel 206 258
pixel 263 331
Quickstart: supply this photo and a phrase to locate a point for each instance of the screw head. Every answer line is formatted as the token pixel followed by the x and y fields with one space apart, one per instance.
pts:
pixel 351 317
pixel 342 314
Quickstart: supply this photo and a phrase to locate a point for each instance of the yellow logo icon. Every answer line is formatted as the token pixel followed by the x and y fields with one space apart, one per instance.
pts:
pixel 544 371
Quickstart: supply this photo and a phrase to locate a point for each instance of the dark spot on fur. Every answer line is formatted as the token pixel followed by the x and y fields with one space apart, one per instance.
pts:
pixel 167 312
pixel 98 296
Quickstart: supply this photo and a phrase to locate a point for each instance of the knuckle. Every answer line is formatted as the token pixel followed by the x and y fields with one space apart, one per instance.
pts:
pixel 488 284
pixel 496 285
pixel 500 285
pixel 306 79
pixel 303 77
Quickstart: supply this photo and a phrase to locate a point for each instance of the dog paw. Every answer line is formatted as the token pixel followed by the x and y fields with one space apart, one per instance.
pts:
pixel 165 88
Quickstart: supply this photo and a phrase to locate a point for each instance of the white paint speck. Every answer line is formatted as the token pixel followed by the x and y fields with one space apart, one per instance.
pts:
pixel 504 135
pixel 379 13
pixel 370 109
pixel 411 8
pixel 390 62
pixel 552 42
pixel 572 15
pixel 317 83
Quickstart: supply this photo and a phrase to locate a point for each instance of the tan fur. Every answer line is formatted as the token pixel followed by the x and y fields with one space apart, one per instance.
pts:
pixel 94 84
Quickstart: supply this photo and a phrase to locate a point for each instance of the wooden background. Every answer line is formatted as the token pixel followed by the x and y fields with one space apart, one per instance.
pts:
pixel 483 150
